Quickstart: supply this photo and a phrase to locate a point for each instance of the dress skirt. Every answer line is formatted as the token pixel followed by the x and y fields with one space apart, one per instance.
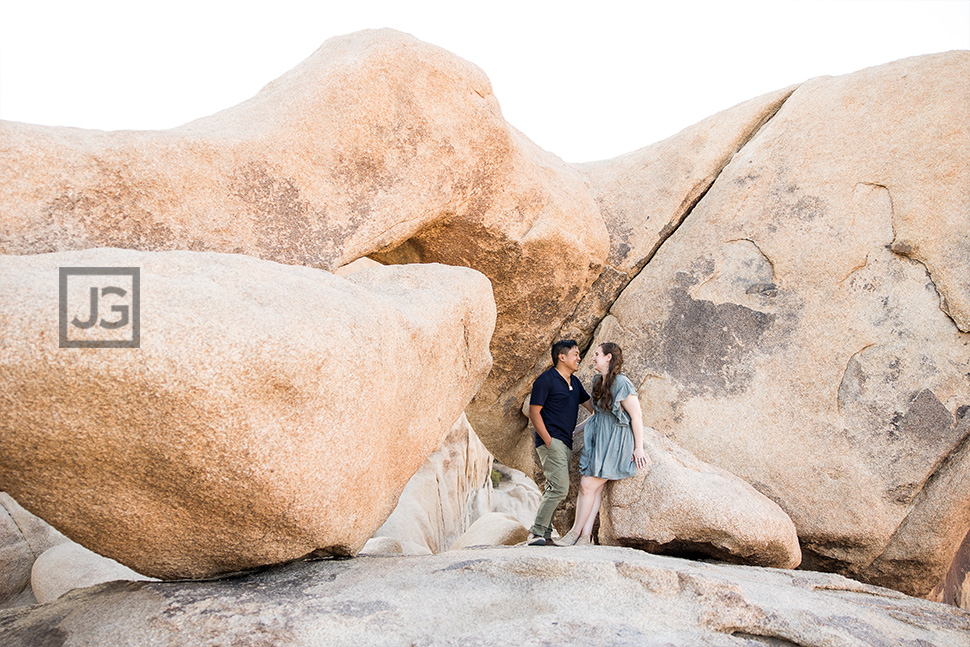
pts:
pixel 607 449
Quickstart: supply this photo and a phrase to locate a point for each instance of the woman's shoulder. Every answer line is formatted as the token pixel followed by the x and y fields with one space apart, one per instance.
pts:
pixel 622 381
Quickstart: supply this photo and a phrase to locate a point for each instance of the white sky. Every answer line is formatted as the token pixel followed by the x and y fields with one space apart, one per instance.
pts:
pixel 585 80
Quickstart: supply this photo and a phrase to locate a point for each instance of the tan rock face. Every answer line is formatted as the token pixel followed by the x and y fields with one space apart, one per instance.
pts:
pixel 786 334
pixel 270 411
pixel 498 597
pixel 683 506
pixel 378 144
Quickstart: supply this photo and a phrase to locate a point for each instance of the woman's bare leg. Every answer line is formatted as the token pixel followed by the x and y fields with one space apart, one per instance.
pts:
pixel 588 487
pixel 597 500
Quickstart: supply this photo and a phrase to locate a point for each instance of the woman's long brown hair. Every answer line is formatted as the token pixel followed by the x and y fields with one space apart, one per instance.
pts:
pixel 603 389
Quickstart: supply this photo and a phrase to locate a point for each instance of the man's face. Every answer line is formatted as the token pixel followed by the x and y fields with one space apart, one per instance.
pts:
pixel 571 359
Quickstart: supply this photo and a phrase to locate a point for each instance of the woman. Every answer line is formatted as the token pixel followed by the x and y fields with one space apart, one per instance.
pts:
pixel 611 451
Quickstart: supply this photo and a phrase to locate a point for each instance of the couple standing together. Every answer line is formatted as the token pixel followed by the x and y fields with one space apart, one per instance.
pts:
pixel 612 442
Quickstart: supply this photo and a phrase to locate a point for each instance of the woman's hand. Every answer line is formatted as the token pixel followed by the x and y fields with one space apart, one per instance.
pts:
pixel 640 458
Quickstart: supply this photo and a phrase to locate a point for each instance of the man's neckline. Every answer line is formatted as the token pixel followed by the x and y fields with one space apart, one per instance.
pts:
pixel 569 380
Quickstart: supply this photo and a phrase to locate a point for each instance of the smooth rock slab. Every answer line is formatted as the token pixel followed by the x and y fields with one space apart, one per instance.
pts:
pixel 271 410
pixel 494 597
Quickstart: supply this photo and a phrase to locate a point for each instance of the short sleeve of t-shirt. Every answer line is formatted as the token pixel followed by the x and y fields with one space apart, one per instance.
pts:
pixel 540 391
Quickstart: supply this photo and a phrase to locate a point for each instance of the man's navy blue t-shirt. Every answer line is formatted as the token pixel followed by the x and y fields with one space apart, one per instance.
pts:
pixel 560 405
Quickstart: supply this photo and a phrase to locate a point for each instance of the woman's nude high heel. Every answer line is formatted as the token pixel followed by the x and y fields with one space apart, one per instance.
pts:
pixel 569 539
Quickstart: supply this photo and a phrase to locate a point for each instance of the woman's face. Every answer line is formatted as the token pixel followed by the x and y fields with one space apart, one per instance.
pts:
pixel 601 362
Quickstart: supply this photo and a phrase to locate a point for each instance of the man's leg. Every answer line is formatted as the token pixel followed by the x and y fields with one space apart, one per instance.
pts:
pixel 555 467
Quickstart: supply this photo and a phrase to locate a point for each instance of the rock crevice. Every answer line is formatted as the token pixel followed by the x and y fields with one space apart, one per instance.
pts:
pixel 625 191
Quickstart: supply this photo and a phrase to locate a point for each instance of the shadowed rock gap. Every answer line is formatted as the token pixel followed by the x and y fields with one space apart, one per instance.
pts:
pixel 952 589
pixel 772 640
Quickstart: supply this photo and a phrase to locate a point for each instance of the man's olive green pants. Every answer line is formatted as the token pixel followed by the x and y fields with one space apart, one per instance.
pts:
pixel 555 467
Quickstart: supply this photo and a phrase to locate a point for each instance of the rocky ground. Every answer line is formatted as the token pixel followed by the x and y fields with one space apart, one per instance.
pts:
pixel 494 597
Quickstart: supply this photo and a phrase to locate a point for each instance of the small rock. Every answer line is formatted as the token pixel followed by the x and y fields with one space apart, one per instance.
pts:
pixel 382 546
pixel 493 529
pixel 71 566
pixel 23 538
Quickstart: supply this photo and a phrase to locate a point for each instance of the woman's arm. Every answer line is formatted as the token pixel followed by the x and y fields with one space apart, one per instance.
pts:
pixel 632 406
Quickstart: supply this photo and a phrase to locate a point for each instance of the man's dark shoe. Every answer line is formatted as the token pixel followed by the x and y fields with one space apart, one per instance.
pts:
pixel 536 540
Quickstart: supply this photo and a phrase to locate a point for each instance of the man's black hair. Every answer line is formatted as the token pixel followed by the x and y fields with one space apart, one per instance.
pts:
pixel 562 347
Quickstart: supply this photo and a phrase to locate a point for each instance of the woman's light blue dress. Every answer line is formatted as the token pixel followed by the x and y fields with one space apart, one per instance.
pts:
pixel 608 439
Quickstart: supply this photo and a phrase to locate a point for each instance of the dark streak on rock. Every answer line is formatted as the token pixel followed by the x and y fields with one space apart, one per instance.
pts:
pixel 705 346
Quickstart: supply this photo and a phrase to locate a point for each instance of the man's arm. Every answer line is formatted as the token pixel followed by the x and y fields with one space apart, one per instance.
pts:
pixel 581 426
pixel 537 422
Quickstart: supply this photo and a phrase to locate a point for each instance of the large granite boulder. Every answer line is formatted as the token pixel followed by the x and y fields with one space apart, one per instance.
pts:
pixel 23 538
pixel 378 144
pixel 805 327
pixel 494 597
pixel 270 411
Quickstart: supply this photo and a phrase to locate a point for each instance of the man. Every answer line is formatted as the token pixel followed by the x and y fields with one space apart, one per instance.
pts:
pixel 553 408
